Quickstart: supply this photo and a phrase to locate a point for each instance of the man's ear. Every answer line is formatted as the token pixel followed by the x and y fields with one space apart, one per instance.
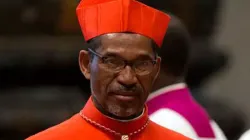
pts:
pixel 158 68
pixel 84 63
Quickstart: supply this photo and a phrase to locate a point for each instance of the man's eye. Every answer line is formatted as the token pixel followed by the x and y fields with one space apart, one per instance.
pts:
pixel 142 64
pixel 112 61
pixel 108 60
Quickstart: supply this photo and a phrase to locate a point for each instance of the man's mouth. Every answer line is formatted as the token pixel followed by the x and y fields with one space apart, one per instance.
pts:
pixel 125 96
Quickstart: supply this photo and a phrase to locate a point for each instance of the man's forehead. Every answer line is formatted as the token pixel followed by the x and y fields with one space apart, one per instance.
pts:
pixel 126 39
pixel 122 35
pixel 128 54
pixel 126 44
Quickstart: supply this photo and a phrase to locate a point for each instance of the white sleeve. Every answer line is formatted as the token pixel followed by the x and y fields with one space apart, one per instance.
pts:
pixel 245 136
pixel 173 121
pixel 219 134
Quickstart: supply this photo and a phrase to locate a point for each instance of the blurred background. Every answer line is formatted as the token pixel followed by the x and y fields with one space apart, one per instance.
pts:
pixel 41 84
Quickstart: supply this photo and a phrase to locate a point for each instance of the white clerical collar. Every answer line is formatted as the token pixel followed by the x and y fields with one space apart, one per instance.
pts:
pixel 166 89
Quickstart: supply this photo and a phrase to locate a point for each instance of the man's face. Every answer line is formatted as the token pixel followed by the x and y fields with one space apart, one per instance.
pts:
pixel 122 93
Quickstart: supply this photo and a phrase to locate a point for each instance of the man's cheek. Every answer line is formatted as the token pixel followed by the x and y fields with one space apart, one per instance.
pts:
pixel 149 85
pixel 105 81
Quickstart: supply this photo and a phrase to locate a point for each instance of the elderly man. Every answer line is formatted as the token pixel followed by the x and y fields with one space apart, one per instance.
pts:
pixel 171 105
pixel 122 66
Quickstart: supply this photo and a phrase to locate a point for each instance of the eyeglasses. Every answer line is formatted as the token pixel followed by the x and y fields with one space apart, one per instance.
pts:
pixel 117 64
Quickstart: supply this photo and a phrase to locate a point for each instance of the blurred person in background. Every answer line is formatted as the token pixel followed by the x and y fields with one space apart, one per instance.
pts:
pixel 206 62
pixel 122 65
pixel 245 136
pixel 171 104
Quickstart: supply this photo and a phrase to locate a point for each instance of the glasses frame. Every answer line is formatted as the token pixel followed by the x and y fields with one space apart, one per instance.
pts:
pixel 126 63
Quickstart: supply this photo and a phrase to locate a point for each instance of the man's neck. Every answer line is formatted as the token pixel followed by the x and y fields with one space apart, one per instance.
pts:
pixel 106 113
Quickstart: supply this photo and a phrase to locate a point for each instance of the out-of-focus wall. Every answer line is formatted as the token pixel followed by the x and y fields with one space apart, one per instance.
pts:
pixel 233 32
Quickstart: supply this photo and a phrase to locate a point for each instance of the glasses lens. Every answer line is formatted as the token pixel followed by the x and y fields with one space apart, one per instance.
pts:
pixel 113 63
pixel 143 67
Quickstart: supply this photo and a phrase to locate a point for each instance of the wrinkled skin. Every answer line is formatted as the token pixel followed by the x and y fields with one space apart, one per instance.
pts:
pixel 109 88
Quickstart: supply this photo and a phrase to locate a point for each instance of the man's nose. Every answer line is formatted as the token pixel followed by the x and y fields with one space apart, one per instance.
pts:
pixel 127 77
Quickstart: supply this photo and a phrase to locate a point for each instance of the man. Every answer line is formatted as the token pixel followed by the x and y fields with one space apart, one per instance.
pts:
pixel 122 66
pixel 171 105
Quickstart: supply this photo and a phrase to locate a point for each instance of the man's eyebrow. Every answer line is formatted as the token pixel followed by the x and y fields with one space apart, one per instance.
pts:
pixel 139 56
pixel 145 56
pixel 111 54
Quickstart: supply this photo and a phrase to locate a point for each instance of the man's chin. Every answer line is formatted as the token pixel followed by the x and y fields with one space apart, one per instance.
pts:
pixel 124 113
pixel 126 107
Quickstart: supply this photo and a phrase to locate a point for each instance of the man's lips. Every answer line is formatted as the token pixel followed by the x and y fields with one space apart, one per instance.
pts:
pixel 125 96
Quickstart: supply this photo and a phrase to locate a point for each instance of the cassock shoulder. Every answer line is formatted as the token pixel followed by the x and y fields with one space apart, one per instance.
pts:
pixel 56 132
pixel 161 133
pixel 172 120
pixel 245 136
pixel 72 128
pixel 217 130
